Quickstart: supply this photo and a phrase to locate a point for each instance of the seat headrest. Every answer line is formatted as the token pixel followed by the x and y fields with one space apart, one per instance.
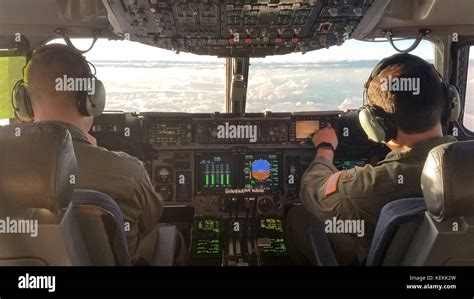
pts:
pixel 447 180
pixel 38 166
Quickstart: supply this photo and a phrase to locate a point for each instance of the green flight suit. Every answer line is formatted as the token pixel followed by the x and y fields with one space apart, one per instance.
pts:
pixel 124 179
pixel 361 192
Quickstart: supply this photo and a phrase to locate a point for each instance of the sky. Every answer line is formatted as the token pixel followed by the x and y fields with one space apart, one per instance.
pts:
pixel 351 50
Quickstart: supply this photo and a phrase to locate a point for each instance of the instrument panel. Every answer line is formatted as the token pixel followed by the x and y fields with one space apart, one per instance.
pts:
pixel 194 158
pixel 238 28
pixel 238 174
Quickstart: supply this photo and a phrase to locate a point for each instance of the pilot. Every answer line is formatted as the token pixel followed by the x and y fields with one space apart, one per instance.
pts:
pixel 116 174
pixel 408 119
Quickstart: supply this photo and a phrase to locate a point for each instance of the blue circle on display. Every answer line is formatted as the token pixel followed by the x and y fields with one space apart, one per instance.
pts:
pixel 260 169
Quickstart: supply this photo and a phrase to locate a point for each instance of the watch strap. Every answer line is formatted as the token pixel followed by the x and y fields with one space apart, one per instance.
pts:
pixel 325 145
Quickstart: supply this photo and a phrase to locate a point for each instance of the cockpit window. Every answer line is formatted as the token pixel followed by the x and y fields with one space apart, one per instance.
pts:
pixel 329 79
pixel 468 119
pixel 11 67
pixel 143 78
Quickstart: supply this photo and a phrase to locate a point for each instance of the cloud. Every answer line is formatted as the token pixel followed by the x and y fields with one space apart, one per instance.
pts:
pixel 263 87
pixel 350 103
pixel 198 87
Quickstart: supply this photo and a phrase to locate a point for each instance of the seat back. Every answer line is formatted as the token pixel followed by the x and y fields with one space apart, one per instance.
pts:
pixel 40 224
pixel 445 236
pixel 36 183
pixel 56 241
pixel 447 243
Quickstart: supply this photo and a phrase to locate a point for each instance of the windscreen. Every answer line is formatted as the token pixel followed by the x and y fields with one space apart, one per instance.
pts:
pixel 323 80
pixel 141 78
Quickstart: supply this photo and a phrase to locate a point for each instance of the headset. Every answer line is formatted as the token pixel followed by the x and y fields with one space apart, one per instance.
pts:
pixel 379 126
pixel 88 104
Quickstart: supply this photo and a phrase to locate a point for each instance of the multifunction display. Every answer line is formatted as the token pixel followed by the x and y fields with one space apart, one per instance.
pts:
pixel 215 172
pixel 262 170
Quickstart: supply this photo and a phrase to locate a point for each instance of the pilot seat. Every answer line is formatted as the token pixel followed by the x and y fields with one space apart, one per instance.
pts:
pixel 437 230
pixel 44 221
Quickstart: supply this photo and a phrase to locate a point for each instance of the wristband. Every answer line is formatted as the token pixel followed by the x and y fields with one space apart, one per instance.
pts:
pixel 325 145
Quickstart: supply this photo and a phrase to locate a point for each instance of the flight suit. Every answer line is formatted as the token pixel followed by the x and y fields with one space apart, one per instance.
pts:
pixel 361 193
pixel 124 179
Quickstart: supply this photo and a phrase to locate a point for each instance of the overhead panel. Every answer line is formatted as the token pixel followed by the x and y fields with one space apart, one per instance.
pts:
pixel 238 28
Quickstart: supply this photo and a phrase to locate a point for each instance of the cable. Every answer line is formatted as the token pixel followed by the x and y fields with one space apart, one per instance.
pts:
pixel 68 41
pixel 419 38
pixel 395 40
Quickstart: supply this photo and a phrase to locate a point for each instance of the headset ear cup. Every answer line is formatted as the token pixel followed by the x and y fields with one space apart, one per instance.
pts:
pixel 82 99
pixel 92 104
pixel 454 103
pixel 95 103
pixel 371 125
pixel 21 103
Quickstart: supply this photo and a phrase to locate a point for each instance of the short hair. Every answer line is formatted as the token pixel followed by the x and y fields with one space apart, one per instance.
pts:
pixel 412 113
pixel 46 65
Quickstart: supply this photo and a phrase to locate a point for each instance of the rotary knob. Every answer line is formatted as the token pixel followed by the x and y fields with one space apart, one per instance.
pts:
pixel 265 205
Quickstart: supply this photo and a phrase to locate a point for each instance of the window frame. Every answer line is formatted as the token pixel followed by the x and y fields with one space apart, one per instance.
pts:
pixel 460 75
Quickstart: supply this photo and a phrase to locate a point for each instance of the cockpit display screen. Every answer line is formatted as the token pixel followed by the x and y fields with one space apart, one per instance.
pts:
pixel 215 172
pixel 305 128
pixel 207 237
pixel 262 171
pixel 168 133
pixel 271 229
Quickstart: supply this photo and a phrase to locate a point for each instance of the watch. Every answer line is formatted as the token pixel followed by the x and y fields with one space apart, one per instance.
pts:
pixel 325 145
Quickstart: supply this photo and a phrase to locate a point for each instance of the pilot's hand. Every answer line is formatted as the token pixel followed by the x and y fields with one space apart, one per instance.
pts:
pixel 91 139
pixel 328 135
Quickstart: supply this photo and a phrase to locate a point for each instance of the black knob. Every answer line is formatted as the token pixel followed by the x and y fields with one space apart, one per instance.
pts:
pixel 265 205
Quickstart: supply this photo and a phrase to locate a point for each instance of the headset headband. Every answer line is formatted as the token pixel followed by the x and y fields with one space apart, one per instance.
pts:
pixel 88 104
pixel 395 59
pixel 63 48
pixel 378 125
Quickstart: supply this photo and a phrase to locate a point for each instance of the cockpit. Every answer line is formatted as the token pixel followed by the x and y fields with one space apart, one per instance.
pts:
pixel 220 101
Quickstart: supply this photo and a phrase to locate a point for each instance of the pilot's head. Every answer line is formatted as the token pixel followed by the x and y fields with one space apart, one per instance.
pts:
pixel 409 91
pixel 61 87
